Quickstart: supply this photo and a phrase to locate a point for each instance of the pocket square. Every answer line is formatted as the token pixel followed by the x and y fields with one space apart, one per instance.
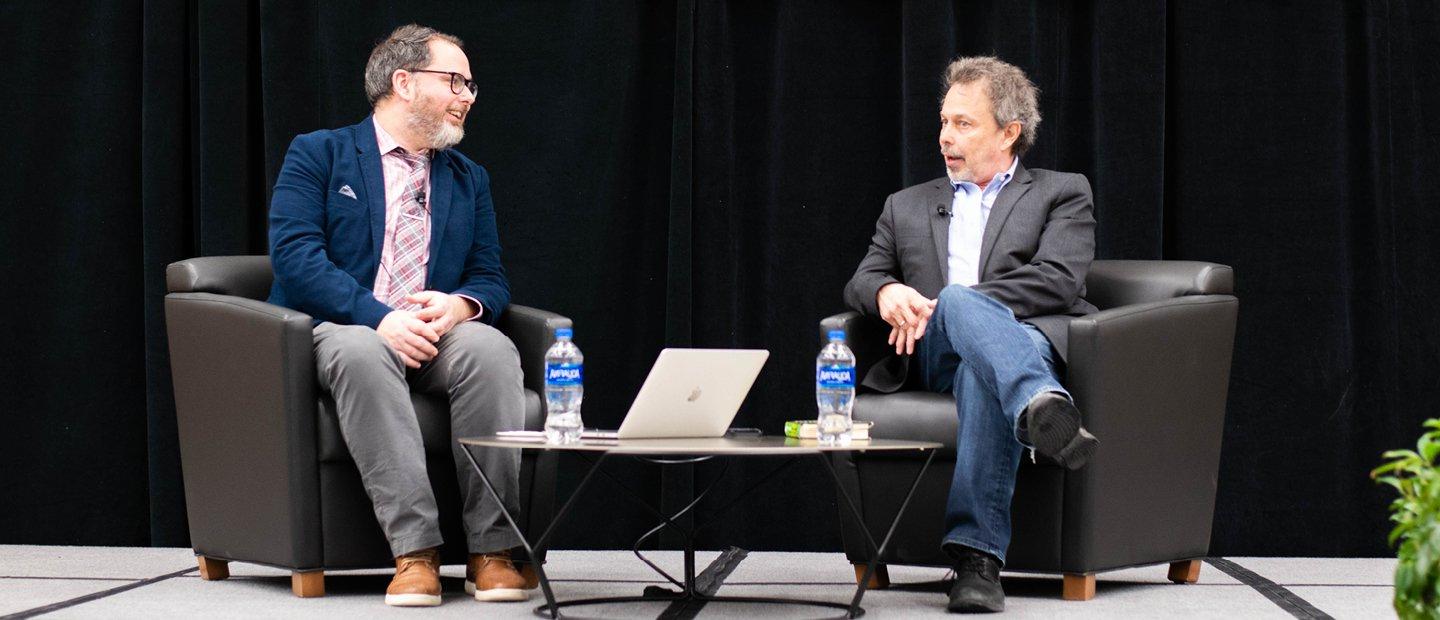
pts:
pixel 346 191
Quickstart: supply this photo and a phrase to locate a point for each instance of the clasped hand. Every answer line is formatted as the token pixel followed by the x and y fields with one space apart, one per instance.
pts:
pixel 907 312
pixel 413 334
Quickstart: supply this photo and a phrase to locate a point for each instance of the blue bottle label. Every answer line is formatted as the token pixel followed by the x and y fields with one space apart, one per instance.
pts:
pixel 564 375
pixel 835 377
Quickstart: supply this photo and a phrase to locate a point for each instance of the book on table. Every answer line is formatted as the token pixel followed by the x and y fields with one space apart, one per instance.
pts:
pixel 808 429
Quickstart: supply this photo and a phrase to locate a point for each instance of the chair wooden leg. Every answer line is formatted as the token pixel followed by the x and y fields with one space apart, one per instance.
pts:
pixel 878 581
pixel 1186 571
pixel 212 569
pixel 1079 587
pixel 309 584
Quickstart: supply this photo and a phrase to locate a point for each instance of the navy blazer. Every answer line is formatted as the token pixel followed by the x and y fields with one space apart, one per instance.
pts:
pixel 325 244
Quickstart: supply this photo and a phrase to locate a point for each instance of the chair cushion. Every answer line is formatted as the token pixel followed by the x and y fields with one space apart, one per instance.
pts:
pixel 433 413
pixel 916 416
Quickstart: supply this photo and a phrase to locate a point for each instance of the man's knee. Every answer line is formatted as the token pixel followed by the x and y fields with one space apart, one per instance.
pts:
pixel 350 346
pixel 959 300
pixel 959 294
pixel 483 345
pixel 478 356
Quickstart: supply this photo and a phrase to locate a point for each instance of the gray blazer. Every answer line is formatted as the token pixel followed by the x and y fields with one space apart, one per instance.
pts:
pixel 1034 255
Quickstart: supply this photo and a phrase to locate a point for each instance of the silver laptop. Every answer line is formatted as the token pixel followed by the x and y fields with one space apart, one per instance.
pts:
pixel 690 393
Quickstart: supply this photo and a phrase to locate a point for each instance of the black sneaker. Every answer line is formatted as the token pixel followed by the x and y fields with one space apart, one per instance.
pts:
pixel 1051 423
pixel 977 582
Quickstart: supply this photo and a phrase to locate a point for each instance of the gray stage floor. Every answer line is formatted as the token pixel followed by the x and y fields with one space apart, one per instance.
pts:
pixel 105 582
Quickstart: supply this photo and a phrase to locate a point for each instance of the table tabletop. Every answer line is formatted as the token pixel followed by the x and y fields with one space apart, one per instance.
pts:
pixel 695 446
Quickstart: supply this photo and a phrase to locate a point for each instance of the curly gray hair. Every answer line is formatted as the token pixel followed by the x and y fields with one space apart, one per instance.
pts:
pixel 1013 97
pixel 407 48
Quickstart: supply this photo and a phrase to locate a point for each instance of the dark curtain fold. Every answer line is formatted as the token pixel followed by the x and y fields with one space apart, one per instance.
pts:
pixel 707 173
pixel 165 198
pixel 73 450
pixel 1299 143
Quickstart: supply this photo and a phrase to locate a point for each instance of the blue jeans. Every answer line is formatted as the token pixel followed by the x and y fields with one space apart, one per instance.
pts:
pixel 975 349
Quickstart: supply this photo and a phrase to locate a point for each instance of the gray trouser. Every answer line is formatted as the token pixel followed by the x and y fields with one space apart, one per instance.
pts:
pixel 479 369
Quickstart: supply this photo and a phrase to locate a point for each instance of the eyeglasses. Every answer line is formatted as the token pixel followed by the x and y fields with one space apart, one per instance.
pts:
pixel 456 81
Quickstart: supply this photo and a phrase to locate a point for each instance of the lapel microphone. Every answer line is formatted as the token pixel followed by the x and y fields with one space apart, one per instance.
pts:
pixel 942 210
pixel 420 199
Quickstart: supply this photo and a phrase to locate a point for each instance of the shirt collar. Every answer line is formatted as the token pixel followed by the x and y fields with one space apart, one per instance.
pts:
pixel 387 143
pixel 996 182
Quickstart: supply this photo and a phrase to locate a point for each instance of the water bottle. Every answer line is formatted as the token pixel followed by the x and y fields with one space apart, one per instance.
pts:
pixel 834 390
pixel 564 389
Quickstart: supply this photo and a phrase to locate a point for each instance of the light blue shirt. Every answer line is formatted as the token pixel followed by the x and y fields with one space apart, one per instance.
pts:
pixel 969 211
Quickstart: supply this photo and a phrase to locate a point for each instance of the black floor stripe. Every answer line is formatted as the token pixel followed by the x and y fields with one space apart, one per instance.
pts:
pixel 1278 594
pixel 707 583
pixel 31 613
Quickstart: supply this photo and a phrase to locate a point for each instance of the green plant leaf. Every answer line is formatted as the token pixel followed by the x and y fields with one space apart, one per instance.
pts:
pixel 1424 558
pixel 1428 448
pixel 1391 481
pixel 1416 515
pixel 1388 467
pixel 1395 533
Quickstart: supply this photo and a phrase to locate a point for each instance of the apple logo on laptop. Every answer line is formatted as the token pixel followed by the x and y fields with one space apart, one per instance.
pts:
pixel 694 395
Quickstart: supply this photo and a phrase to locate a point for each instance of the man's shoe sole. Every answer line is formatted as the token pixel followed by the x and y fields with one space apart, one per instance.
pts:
pixel 470 587
pixel 977 603
pixel 1055 431
pixel 497 595
pixel 412 600
pixel 973 608
pixel 1078 452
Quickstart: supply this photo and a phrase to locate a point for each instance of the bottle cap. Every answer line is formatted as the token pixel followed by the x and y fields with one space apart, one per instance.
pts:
pixel 564 332
pixel 837 334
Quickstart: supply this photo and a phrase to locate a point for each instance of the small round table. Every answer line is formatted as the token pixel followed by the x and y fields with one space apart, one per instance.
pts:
pixel 691 450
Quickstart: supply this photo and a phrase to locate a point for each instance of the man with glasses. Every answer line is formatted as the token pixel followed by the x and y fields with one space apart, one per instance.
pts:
pixel 387 237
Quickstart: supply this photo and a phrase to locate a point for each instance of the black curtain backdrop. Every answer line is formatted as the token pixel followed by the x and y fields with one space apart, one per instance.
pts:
pixel 707 173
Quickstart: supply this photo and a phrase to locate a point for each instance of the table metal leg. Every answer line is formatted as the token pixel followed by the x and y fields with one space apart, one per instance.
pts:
pixel 551 608
pixel 686 586
pixel 689 534
pixel 743 494
pixel 550 603
pixel 690 592
pixel 670 521
pixel 876 550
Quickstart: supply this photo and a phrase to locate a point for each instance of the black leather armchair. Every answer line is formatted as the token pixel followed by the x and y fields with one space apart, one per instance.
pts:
pixel 268 478
pixel 1149 373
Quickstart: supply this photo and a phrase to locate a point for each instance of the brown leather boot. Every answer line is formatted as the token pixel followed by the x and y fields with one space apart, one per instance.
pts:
pixel 492 577
pixel 417 580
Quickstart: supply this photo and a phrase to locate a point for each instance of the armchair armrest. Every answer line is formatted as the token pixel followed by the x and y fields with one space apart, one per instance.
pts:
pixel 1114 283
pixel 244 376
pixel 1151 381
pixel 241 276
pixel 533 331
pixel 865 335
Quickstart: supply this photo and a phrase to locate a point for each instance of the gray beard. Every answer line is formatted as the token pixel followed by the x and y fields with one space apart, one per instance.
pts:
pixel 432 128
pixel 965 175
